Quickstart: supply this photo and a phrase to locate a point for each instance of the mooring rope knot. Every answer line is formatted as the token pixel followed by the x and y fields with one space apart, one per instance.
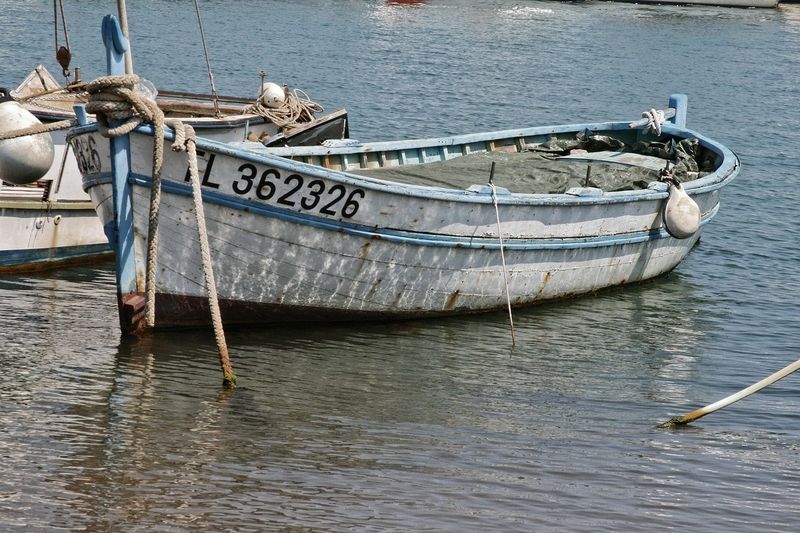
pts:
pixel 655 118
pixel 119 110
pixel 113 98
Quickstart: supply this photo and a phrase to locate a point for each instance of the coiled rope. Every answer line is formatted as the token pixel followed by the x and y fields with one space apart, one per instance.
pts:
pixel 113 100
pixel 655 118
pixel 296 108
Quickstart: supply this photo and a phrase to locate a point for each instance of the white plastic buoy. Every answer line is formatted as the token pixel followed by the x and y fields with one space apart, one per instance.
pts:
pixel 681 214
pixel 272 95
pixel 24 159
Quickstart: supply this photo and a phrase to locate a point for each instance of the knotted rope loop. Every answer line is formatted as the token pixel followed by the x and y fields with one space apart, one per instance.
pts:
pixel 113 98
pixel 184 134
pixel 655 118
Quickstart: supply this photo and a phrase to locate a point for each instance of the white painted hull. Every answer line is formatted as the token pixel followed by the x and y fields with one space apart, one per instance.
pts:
pixel 38 235
pixel 31 237
pixel 385 249
pixel 43 228
pixel 285 271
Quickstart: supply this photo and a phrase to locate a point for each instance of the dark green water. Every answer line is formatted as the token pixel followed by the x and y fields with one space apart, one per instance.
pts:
pixel 435 425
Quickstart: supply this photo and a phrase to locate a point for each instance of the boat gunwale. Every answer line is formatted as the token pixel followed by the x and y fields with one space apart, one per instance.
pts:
pixel 725 172
pixel 198 123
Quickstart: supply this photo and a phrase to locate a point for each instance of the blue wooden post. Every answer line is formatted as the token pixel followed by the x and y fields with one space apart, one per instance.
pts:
pixel 129 297
pixel 680 102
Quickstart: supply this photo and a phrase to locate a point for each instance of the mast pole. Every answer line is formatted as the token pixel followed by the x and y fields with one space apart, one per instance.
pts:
pixel 123 22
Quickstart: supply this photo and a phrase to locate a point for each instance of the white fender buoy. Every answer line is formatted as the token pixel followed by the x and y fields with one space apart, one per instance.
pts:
pixel 681 214
pixel 272 95
pixel 24 159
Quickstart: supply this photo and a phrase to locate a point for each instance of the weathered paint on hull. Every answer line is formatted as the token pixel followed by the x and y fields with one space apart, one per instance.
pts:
pixel 404 252
pixel 183 310
pixel 39 236
pixel 16 262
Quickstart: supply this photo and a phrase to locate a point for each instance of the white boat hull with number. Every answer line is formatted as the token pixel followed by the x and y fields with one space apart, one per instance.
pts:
pixel 52 222
pixel 314 233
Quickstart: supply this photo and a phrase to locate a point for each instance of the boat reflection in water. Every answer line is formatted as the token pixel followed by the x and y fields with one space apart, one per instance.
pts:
pixel 385 413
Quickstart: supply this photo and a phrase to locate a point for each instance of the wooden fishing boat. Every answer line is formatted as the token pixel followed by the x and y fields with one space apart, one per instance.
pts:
pixel 228 119
pixel 51 221
pixel 402 229
pixel 45 220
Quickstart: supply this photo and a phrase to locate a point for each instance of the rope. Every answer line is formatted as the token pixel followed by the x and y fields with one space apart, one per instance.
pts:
pixel 64 23
pixel 654 121
pixel 69 94
pixel 296 108
pixel 55 24
pixel 36 129
pixel 185 141
pixel 112 98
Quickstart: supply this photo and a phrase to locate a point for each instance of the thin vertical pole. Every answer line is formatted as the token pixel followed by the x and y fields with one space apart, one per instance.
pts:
pixel 502 254
pixel 123 22
pixel 208 62
pixel 123 235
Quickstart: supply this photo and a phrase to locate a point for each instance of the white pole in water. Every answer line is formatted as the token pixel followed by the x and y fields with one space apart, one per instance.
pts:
pixel 123 23
pixel 502 255
pixel 703 411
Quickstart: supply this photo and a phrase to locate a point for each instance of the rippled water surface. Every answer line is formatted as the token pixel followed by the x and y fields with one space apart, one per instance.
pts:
pixel 434 425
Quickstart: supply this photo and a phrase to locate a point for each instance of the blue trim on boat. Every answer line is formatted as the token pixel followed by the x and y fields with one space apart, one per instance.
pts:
pixel 9 258
pixel 411 237
pixel 267 156
pixel 120 147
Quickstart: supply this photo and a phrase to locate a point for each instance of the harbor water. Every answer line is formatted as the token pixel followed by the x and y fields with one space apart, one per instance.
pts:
pixel 434 425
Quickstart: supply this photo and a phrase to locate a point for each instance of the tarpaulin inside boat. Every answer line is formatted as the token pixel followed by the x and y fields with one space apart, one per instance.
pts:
pixel 555 166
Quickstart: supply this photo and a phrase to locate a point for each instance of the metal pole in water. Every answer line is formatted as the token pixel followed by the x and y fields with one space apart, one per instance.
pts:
pixel 703 411
pixel 502 254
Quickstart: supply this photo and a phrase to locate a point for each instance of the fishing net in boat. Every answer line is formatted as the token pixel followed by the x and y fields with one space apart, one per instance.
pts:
pixel 557 165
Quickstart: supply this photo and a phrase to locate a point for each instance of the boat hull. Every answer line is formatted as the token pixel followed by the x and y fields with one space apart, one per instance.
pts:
pixel 283 250
pixel 32 241
pixel 41 235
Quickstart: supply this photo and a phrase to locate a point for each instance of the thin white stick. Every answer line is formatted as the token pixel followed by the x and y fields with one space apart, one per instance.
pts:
pixel 502 255
pixel 744 393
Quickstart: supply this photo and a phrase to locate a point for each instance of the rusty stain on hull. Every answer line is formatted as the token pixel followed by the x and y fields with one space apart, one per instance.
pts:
pixel 544 283
pixel 451 302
